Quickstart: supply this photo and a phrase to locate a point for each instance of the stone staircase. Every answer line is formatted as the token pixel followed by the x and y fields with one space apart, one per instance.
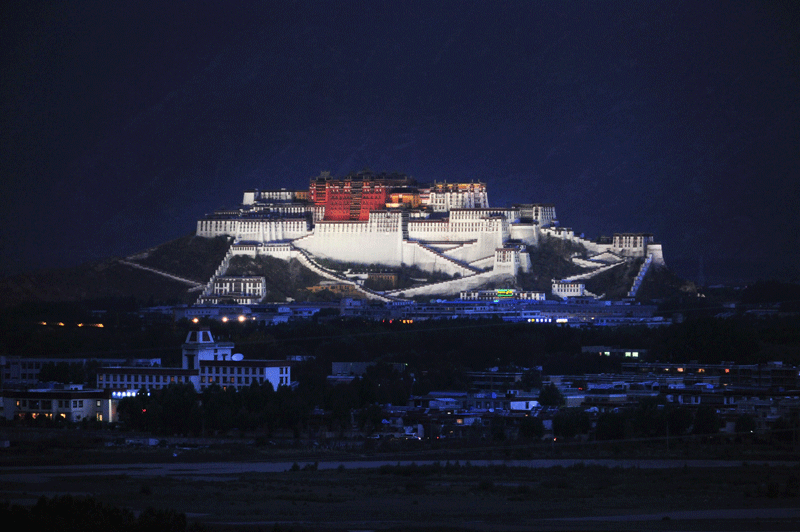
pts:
pixel 194 284
pixel 465 268
pixel 467 282
pixel 305 259
pixel 220 271
pixel 589 275
pixel 637 282
pixel 308 261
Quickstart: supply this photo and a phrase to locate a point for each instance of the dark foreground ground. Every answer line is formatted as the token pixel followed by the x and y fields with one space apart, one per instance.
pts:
pixel 328 491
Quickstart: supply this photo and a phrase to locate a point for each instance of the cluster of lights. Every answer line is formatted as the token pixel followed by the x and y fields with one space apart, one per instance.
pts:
pixel 539 320
pixel 125 393
pixel 61 324
pixel 240 319
pixel 225 319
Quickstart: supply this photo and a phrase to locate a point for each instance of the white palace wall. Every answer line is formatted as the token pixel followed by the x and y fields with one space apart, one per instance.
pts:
pixel 563 233
pixel 479 236
pixel 257 230
pixel 483 247
pixel 658 254
pixel 416 254
pixel 378 240
pixel 349 244
pixel 527 233
pixel 273 249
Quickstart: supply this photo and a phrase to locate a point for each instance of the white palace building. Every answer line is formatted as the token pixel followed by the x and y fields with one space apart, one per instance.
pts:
pixel 387 219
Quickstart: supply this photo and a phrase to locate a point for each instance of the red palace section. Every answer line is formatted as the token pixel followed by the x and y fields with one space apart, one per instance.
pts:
pixel 354 196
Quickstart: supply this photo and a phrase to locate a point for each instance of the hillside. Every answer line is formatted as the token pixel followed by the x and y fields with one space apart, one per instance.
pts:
pixel 283 279
pixel 195 259
pixel 188 257
pixel 108 279
pixel 550 260
pixel 191 257
pixel 616 282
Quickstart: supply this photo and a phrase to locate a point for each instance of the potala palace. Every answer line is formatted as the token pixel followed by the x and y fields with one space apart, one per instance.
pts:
pixel 391 220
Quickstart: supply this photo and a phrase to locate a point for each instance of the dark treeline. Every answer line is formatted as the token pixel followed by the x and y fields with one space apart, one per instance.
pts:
pixel 67 514
pixel 479 344
pixel 179 409
pixel 443 349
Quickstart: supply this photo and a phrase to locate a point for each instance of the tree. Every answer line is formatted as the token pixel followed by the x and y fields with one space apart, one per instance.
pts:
pixel 610 426
pixel 180 410
pixel 745 424
pixel 551 396
pixel 679 419
pixel 369 418
pixel 785 428
pixel 531 379
pixel 531 428
pixel 570 422
pixel 650 417
pixel 132 411
pixel 706 421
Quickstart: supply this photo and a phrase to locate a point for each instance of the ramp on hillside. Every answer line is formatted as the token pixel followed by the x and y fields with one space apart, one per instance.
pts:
pixel 195 286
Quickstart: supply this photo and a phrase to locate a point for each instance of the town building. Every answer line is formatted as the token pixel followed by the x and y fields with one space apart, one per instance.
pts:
pixel 566 289
pixel 240 290
pixel 70 403
pixel 206 362
pixel 21 373
pixel 499 294
pixel 611 351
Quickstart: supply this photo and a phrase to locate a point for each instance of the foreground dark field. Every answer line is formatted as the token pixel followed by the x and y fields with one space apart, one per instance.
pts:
pixel 435 495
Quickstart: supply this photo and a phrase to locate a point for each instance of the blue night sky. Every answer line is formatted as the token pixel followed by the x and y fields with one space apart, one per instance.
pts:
pixel 123 123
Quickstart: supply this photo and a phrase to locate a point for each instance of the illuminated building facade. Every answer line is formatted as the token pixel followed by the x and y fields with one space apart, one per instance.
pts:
pixel 355 195
pixel 205 363
pixel 391 221
pixel 240 290
pixel 569 289
pixel 66 402
pixel 443 197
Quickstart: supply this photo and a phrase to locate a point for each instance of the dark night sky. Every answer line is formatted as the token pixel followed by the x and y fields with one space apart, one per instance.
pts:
pixel 121 126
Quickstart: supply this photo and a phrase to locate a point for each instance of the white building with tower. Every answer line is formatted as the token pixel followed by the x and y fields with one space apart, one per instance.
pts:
pixel 205 362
